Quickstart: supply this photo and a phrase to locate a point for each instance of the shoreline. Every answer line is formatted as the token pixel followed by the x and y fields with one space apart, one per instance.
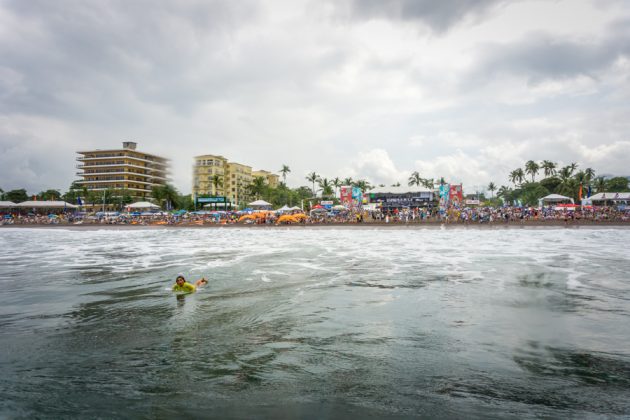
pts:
pixel 554 224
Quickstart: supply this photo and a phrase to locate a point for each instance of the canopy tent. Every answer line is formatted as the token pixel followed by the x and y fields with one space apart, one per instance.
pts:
pixel 45 205
pixel 143 205
pixel 339 207
pixel 284 208
pixel 295 208
pixel 259 203
pixel 7 205
pixel 553 198
pixel 611 196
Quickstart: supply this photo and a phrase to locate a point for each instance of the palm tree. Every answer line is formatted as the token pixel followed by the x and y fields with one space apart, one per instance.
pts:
pixel 517 176
pixel 284 171
pixel 428 183
pixel 257 187
pixel 336 182
pixel 312 177
pixel 492 188
pixel 505 193
pixel 165 195
pixel 217 181
pixel 590 174
pixel 600 184
pixel 1 194
pixel 363 185
pixel 414 179
pixel 348 181
pixel 326 186
pixel 532 168
pixel 548 167
pixel 573 166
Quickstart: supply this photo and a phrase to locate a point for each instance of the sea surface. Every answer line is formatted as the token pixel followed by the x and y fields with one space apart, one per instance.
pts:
pixel 315 323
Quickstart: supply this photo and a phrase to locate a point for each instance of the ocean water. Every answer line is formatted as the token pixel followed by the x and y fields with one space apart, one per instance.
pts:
pixel 315 323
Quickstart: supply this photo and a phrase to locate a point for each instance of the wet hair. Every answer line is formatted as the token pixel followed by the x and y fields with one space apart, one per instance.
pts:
pixel 179 276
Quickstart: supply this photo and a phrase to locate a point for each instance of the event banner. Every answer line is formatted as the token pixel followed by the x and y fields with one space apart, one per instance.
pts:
pixel 346 194
pixel 456 194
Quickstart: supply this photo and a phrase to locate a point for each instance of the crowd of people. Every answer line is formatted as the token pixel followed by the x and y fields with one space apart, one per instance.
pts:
pixel 454 215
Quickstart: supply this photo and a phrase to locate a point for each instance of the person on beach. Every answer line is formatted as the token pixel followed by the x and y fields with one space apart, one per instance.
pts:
pixel 181 285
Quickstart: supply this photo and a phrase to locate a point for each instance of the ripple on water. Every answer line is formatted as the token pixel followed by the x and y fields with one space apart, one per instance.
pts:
pixel 435 323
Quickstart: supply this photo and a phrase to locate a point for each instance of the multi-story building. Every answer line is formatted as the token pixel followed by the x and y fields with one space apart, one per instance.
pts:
pixel 272 179
pixel 215 177
pixel 122 169
pixel 209 175
pixel 237 179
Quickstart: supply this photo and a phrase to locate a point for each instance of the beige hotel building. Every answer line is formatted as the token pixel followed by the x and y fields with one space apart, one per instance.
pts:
pixel 126 168
pixel 233 178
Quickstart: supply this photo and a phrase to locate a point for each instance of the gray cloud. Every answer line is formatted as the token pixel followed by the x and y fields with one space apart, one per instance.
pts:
pixel 268 84
pixel 438 16
pixel 542 56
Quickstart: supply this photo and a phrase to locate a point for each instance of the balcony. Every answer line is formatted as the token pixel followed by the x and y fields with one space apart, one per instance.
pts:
pixel 91 159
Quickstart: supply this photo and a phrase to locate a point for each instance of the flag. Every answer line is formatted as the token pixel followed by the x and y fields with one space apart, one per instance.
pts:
pixel 580 193
pixel 79 201
pixel 588 193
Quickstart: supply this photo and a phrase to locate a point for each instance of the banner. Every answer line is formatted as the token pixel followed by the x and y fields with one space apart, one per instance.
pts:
pixel 346 194
pixel 456 194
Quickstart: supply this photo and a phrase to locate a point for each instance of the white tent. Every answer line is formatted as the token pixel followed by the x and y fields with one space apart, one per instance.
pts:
pixel 295 208
pixel 143 205
pixel 7 204
pixel 553 198
pixel 284 208
pixel 259 203
pixel 44 204
pixel 610 196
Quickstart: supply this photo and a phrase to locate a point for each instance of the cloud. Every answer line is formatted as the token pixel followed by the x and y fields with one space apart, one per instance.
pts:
pixel 541 57
pixel 438 16
pixel 377 167
pixel 344 88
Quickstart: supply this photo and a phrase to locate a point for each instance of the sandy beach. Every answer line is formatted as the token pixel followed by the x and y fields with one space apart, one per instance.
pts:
pixel 551 224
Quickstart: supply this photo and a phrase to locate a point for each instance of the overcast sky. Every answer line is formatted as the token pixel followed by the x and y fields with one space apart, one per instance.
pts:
pixel 374 89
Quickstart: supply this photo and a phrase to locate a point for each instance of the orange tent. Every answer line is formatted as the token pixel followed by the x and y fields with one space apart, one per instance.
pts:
pixel 247 217
pixel 287 218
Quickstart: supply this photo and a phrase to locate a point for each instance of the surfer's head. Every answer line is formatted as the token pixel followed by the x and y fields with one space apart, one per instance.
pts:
pixel 180 280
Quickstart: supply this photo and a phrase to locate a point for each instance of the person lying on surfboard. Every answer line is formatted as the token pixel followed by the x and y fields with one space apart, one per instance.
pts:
pixel 181 285
pixel 201 282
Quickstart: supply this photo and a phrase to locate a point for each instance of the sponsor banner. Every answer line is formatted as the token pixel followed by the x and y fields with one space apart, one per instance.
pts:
pixel 357 194
pixel 216 199
pixel 346 194
pixel 456 194
pixel 326 202
pixel 472 202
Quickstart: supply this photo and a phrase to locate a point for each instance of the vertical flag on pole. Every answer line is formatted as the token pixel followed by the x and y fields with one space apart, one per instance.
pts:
pixel 580 193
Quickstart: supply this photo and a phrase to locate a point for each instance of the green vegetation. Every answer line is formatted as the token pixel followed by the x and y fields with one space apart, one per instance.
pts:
pixel 565 181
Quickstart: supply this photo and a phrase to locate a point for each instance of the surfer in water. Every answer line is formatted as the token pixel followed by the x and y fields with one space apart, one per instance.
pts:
pixel 181 285
pixel 201 282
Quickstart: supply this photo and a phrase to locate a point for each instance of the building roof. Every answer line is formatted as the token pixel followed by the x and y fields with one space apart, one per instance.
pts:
pixel 400 190
pixel 121 149
pixel 7 204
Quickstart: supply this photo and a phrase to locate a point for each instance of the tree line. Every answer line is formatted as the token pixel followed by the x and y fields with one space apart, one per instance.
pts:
pixel 565 180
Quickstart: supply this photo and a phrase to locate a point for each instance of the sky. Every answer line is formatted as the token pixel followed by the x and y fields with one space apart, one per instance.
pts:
pixel 369 89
